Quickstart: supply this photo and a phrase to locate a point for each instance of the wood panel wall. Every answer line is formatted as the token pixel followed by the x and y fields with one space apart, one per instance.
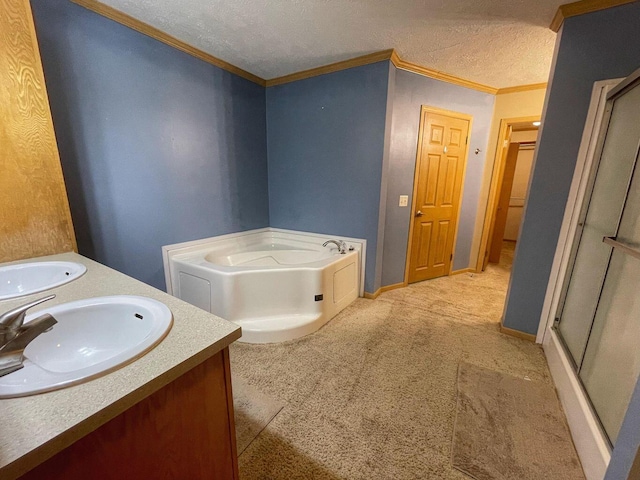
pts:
pixel 34 211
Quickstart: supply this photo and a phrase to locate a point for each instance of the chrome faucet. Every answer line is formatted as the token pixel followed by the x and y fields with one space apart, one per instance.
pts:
pixel 15 336
pixel 342 247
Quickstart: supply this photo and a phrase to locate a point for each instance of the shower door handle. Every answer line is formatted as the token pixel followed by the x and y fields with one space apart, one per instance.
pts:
pixel 628 249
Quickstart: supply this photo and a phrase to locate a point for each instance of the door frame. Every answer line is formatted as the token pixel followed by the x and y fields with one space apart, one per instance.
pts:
pixel 449 113
pixel 497 173
pixel 510 165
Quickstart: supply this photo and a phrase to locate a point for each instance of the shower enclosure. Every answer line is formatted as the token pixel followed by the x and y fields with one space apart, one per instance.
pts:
pixel 597 317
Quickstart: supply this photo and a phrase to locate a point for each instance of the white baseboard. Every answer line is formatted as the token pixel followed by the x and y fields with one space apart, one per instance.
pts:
pixel 590 442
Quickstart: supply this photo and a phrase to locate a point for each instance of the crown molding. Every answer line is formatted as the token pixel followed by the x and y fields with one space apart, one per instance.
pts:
pixel 522 88
pixel 435 74
pixel 333 67
pixel 579 8
pixel 137 25
pixel 124 19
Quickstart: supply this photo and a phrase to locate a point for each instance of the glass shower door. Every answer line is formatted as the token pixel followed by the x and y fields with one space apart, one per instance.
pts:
pixel 611 361
pixel 599 316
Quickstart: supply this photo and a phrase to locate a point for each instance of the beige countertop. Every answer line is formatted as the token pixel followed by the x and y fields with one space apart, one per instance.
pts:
pixel 34 428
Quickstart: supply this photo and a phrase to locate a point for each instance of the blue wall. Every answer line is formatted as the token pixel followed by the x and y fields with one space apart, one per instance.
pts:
pixel 411 92
pixel 326 147
pixel 591 47
pixel 157 147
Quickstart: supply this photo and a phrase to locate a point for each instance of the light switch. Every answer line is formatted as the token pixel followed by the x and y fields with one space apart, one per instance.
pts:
pixel 404 201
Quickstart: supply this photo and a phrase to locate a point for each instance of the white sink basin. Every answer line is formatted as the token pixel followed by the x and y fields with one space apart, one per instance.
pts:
pixel 27 278
pixel 92 338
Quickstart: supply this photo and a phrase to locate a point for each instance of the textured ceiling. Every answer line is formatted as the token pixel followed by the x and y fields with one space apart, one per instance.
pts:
pixel 500 43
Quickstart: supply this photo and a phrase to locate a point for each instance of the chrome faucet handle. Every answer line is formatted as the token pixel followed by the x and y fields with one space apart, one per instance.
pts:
pixel 13 319
pixel 12 351
pixel 342 246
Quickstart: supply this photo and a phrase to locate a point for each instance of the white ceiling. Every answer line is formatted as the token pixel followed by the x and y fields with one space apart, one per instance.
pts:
pixel 500 43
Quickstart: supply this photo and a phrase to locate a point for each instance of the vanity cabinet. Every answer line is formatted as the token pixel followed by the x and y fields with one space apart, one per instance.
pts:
pixel 167 415
pixel 184 430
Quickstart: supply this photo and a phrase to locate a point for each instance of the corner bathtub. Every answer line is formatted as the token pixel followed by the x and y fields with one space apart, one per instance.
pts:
pixel 277 285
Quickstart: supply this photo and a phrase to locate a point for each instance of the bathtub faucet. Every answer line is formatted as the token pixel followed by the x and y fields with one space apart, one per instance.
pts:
pixel 342 247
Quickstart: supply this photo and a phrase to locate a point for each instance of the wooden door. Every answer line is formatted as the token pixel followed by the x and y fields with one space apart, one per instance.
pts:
pixel 500 216
pixel 441 159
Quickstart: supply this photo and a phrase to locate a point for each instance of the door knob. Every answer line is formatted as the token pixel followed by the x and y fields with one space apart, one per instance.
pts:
pixel 419 213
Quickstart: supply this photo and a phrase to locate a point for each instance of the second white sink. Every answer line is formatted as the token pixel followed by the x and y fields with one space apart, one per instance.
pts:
pixel 22 279
pixel 92 337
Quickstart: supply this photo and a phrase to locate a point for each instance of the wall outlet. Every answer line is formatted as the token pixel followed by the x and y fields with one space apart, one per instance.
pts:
pixel 404 201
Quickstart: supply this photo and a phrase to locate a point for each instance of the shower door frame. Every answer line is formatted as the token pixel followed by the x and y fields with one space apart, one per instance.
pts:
pixel 589 150
pixel 591 443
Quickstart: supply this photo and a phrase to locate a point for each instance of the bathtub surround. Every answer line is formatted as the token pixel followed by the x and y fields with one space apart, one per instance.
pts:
pixel 276 284
pixel 157 147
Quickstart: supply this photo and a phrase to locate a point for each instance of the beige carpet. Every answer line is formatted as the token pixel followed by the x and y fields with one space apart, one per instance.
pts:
pixel 510 428
pixel 253 411
pixel 372 395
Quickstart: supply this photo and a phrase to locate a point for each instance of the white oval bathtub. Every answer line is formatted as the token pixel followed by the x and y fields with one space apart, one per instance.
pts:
pixel 276 285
